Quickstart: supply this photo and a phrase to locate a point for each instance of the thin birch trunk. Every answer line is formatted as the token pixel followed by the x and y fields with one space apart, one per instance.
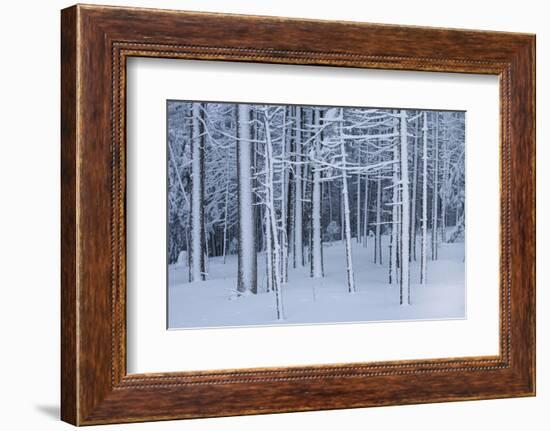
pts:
pixel 378 237
pixel 298 202
pixel 414 192
pixel 366 206
pixel 270 210
pixel 268 251
pixel 423 256
pixel 444 192
pixel 316 243
pixel 283 186
pixel 342 233
pixel 225 211
pixel 435 193
pixel 347 221
pixel 330 202
pixel 393 274
pixel 358 214
pixel 404 291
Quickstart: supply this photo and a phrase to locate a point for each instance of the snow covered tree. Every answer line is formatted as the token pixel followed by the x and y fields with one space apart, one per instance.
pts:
pixel 346 207
pixel 198 271
pixel 395 210
pixel 414 192
pixel 366 208
pixel 178 144
pixel 316 239
pixel 404 291
pixel 275 273
pixel 435 192
pixel 423 256
pixel 298 255
pixel 247 269
pixel 378 228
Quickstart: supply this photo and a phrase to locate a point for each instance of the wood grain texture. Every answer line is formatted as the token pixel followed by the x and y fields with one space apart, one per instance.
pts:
pixel 96 41
pixel 68 218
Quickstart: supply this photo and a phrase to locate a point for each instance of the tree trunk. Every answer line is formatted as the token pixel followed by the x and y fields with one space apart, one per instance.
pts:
pixel 444 192
pixel 347 221
pixel 404 291
pixel 298 221
pixel 358 214
pixel 247 276
pixel 393 273
pixel 197 272
pixel 342 233
pixel 225 211
pixel 268 253
pixel 270 210
pixel 378 236
pixel 366 205
pixel 414 192
pixel 316 241
pixel 283 178
pixel 423 256
pixel 435 188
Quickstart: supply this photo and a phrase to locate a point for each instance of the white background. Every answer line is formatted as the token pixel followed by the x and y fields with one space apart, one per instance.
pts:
pixel 153 349
pixel 29 216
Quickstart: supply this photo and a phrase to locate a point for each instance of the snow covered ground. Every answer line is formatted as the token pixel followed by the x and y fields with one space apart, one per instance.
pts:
pixel 214 302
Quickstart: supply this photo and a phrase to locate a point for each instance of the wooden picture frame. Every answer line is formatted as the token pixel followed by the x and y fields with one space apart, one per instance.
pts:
pixel 95 43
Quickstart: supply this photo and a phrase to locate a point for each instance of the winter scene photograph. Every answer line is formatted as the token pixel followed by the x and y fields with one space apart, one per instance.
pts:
pixel 299 214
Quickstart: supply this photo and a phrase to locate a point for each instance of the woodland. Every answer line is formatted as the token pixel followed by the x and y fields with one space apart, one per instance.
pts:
pixel 313 214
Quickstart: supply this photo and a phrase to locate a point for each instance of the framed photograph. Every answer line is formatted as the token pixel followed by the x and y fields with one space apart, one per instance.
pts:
pixel 264 215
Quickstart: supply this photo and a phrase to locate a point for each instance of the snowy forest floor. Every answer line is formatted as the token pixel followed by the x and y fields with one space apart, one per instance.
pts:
pixel 214 302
